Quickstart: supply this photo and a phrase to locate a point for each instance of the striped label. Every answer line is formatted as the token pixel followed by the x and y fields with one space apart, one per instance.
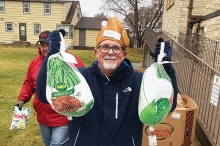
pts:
pixel 188 128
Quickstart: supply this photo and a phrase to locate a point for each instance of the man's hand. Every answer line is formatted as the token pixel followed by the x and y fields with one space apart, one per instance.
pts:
pixel 167 50
pixel 54 40
pixel 20 103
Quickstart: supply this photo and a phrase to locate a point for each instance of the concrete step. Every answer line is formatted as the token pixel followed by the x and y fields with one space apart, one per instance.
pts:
pixel 196 142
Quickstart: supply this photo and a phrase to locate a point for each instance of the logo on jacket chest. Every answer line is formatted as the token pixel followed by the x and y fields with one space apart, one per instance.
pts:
pixel 128 89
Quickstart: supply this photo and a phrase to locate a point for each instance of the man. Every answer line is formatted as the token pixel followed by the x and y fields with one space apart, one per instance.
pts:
pixel 53 127
pixel 113 119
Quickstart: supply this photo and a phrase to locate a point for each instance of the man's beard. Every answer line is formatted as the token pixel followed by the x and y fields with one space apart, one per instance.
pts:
pixel 110 65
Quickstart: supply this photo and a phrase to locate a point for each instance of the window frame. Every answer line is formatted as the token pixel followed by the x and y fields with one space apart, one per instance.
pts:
pixel 28 8
pixel 6 27
pixel 169 3
pixel 35 25
pixel 3 2
pixel 45 9
pixel 78 13
pixel 68 29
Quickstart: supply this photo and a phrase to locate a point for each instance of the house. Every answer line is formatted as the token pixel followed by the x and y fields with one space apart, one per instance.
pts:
pixel 192 16
pixel 86 31
pixel 23 20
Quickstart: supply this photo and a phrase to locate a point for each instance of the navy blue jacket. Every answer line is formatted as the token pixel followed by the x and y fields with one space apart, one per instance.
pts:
pixel 110 123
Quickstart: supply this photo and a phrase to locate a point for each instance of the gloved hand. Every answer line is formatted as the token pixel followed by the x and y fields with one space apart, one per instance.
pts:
pixel 167 50
pixel 54 40
pixel 20 103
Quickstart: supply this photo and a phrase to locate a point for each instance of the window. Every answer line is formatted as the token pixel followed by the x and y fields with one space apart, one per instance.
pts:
pixel 46 8
pixel 201 31
pixel 78 13
pixel 169 3
pixel 68 30
pixel 2 6
pixel 37 29
pixel 9 26
pixel 26 6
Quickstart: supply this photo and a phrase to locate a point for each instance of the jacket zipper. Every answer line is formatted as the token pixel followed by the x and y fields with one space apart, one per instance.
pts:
pixel 77 137
pixel 133 140
pixel 116 106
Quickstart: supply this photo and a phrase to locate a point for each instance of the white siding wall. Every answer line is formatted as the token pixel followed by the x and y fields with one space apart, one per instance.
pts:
pixel 66 9
pixel 90 40
pixel 91 37
pixel 76 37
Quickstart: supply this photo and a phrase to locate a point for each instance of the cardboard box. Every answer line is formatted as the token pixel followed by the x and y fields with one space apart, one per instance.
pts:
pixel 178 129
pixel 140 69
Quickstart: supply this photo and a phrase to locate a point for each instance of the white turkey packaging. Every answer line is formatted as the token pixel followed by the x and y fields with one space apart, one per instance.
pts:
pixel 156 95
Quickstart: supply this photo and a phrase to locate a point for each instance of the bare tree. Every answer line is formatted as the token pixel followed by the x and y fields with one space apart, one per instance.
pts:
pixel 100 15
pixel 84 14
pixel 137 14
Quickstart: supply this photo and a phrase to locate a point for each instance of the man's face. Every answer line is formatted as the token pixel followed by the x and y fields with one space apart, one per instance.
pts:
pixel 44 48
pixel 109 59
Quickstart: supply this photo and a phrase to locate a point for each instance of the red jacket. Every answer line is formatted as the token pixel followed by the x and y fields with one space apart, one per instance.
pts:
pixel 45 114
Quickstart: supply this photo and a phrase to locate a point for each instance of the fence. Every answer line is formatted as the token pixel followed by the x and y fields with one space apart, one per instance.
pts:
pixel 206 49
pixel 195 73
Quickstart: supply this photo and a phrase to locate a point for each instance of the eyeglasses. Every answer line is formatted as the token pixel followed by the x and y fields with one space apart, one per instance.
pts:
pixel 105 49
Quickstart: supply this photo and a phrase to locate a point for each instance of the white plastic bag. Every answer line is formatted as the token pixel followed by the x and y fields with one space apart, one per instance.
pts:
pixel 20 118
pixel 155 96
pixel 67 90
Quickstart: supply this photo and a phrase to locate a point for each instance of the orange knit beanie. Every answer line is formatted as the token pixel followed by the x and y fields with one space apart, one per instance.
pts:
pixel 113 30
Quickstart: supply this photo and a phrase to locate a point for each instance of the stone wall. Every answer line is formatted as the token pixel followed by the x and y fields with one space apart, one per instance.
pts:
pixel 211 27
pixel 175 21
pixel 175 18
pixel 204 7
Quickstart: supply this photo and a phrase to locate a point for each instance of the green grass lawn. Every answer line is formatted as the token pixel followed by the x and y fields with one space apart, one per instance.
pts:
pixel 14 62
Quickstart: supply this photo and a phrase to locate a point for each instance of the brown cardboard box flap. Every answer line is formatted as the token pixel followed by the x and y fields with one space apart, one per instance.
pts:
pixel 181 100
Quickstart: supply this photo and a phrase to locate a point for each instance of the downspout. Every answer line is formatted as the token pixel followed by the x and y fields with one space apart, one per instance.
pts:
pixel 189 25
pixel 192 19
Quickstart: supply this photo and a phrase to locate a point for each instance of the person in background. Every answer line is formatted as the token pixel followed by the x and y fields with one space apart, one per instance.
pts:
pixel 113 120
pixel 53 127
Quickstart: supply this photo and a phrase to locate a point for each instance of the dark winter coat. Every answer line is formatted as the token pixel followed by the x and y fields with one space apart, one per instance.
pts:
pixel 113 120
